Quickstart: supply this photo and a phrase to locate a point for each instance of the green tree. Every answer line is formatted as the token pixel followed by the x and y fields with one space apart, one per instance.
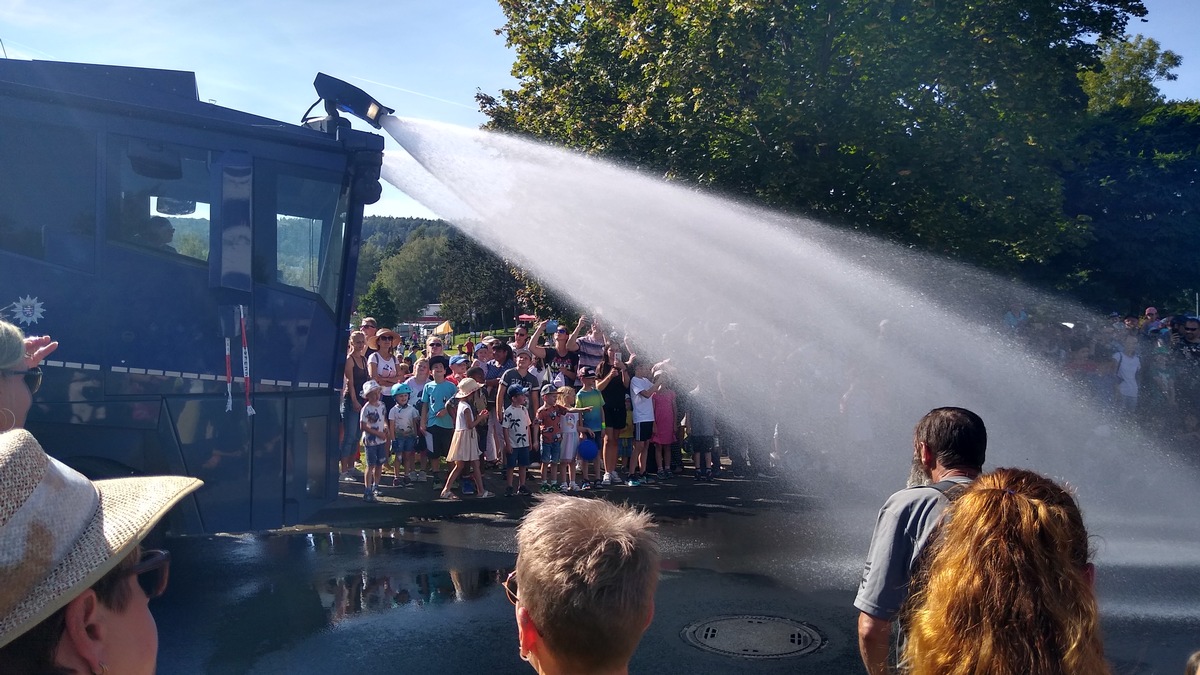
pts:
pixel 370 259
pixel 1127 75
pixel 414 275
pixel 377 302
pixel 939 124
pixel 1139 188
pixel 478 287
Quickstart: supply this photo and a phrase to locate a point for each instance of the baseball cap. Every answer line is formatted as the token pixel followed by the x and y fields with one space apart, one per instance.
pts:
pixel 517 388
pixel 548 389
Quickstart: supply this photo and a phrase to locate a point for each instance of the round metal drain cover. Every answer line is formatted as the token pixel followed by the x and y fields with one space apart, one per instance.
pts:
pixel 754 637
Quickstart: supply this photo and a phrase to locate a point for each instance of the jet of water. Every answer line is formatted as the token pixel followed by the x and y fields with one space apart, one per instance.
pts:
pixel 840 340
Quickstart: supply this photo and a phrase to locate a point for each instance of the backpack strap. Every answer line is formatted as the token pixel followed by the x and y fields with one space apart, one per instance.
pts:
pixel 950 489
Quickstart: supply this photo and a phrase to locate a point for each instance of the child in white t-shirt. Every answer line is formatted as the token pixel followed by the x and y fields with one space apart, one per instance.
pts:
pixel 372 420
pixel 402 422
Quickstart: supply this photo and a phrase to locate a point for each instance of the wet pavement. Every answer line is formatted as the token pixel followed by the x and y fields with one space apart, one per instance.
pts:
pixel 411 584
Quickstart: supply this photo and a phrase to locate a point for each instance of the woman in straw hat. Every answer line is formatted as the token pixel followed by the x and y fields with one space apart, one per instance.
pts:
pixel 464 447
pixel 381 366
pixel 77 581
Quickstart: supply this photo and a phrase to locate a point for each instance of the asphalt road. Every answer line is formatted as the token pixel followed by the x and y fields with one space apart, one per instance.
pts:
pixel 412 585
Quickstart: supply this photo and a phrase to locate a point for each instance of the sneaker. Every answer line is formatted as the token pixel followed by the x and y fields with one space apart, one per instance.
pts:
pixel 368 496
pixel 595 485
pixel 485 494
pixel 647 479
pixel 557 487
pixel 585 486
pixel 508 491
pixel 633 481
pixel 575 487
pixel 545 488
pixel 523 490
pixel 608 479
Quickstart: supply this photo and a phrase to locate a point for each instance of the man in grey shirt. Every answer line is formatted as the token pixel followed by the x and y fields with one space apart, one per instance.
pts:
pixel 948 449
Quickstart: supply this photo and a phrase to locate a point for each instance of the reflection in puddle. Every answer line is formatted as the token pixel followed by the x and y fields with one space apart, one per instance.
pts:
pixel 237 600
pixel 360 592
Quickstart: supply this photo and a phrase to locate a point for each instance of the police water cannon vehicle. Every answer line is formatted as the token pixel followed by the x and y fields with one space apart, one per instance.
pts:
pixel 196 264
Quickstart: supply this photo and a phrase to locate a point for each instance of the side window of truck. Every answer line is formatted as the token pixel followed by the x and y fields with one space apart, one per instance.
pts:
pixel 160 195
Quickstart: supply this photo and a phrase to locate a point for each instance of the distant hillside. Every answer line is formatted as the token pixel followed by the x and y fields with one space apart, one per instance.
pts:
pixel 389 233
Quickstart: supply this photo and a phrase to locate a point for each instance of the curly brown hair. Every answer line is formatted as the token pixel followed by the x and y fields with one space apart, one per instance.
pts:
pixel 1006 586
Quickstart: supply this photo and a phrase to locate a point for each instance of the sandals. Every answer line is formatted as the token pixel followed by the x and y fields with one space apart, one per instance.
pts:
pixel 446 494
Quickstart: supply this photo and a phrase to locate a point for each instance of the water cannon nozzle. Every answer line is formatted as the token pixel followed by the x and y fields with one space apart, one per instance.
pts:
pixel 345 97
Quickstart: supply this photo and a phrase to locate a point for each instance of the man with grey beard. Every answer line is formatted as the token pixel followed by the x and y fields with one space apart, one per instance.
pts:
pixel 949 445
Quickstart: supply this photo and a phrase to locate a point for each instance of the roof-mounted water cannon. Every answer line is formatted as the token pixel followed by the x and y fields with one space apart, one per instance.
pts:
pixel 367 149
pixel 342 96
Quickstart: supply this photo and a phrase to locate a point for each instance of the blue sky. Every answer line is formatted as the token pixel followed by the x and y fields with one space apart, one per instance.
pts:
pixel 424 58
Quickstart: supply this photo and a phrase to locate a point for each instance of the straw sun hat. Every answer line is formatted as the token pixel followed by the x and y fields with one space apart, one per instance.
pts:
pixel 60 532
pixel 466 387
pixel 373 341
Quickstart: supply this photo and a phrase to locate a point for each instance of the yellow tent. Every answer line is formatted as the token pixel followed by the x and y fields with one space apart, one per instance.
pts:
pixel 443 329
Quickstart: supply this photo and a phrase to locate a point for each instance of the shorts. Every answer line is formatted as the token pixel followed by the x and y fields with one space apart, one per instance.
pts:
pixel 404 444
pixel 518 457
pixel 377 454
pixel 441 440
pixel 699 444
pixel 642 431
pixel 614 418
pixel 551 452
pixel 624 447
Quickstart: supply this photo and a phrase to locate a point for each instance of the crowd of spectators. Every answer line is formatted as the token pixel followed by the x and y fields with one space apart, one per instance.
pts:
pixel 1145 368
pixel 595 413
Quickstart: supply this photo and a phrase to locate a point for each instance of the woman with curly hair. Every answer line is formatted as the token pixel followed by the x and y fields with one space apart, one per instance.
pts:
pixel 1006 585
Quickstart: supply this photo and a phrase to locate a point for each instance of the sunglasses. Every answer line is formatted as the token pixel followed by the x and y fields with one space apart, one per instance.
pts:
pixel 33 377
pixel 561 330
pixel 385 338
pixel 435 344
pixel 510 587
pixel 152 572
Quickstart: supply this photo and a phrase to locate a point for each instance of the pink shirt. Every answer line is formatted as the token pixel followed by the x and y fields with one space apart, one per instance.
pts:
pixel 664 417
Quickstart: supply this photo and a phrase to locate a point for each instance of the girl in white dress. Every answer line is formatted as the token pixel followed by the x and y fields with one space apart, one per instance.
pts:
pixel 464 447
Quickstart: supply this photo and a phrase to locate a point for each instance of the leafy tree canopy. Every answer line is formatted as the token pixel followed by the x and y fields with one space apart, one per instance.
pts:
pixel 935 123
pixel 1127 74
pixel 1139 187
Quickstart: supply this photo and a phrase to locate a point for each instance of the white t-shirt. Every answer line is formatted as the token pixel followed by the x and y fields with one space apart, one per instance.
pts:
pixel 375 417
pixel 643 408
pixel 516 425
pixel 404 420
pixel 384 367
pixel 1127 370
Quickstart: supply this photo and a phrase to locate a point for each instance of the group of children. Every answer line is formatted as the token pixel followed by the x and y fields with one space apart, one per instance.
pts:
pixel 642 440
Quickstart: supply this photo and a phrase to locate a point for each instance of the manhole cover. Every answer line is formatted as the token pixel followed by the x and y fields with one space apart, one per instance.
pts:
pixel 754 637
